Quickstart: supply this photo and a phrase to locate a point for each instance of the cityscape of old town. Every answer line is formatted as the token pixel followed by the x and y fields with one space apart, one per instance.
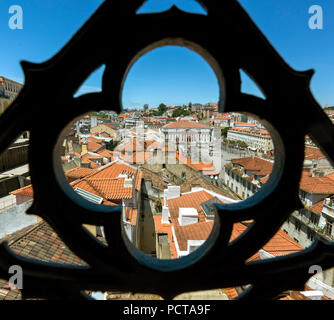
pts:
pixel 122 166
pixel 167 167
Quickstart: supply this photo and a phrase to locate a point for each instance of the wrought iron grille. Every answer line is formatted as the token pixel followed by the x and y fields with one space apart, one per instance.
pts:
pixel 103 41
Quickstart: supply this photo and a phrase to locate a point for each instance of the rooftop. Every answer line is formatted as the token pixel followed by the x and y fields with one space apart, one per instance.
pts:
pixel 185 124
pixel 316 185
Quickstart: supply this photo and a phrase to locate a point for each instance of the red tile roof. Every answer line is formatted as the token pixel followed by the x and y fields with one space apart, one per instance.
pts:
pixel 111 189
pixel 231 293
pixel 79 172
pixel 93 146
pixel 105 135
pixel 317 207
pixel 93 164
pixel 25 191
pixel 107 184
pixel 260 166
pixel 190 200
pixel 96 140
pixel 312 153
pixel 185 124
pixel 137 157
pixel 107 154
pixel 195 231
pixel 135 145
pixel 206 168
pixel 316 185
pixel 88 156
pixel 279 245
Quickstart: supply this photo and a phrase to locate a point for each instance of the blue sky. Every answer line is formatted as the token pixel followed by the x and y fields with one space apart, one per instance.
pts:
pixel 172 75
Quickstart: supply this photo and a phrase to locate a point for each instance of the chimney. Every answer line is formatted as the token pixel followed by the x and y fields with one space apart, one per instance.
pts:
pixel 187 216
pixel 84 149
pixel 173 192
pixel 165 215
pixel 93 122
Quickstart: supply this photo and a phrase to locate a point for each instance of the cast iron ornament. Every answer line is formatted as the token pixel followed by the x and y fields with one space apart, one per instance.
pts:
pixel 115 36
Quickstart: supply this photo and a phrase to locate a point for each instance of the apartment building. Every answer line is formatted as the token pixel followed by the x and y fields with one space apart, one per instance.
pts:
pixel 245 176
pixel 256 139
pixel 9 90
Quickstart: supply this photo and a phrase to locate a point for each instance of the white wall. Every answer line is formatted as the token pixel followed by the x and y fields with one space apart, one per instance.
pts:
pixel 16 219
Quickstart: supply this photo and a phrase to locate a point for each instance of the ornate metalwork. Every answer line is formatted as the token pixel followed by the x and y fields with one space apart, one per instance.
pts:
pixel 228 39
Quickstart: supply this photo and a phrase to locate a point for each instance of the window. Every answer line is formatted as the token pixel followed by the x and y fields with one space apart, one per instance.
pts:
pixel 310 234
pixel 328 228
pixel 298 225
pixel 313 218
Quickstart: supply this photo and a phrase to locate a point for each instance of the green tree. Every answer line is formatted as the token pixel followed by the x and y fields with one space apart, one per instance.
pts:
pixel 181 111
pixel 162 108
pixel 224 131
pixel 242 144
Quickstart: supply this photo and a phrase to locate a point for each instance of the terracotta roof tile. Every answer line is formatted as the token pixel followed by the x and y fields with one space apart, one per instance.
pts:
pixel 107 154
pixel 190 200
pixel 107 183
pixel 111 188
pixel 79 172
pixel 198 181
pixel 195 231
pixel 260 166
pixel 96 140
pixel 185 124
pixel 320 185
pixel 40 242
pixel 231 293
pixel 312 153
pixel 317 207
pixel 137 157
pixel 25 191
pixel 280 244
pixel 204 167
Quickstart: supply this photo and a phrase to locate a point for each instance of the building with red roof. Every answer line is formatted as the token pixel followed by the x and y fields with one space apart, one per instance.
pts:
pixel 115 184
pixel 245 176
pixel 187 221
pixel 257 139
